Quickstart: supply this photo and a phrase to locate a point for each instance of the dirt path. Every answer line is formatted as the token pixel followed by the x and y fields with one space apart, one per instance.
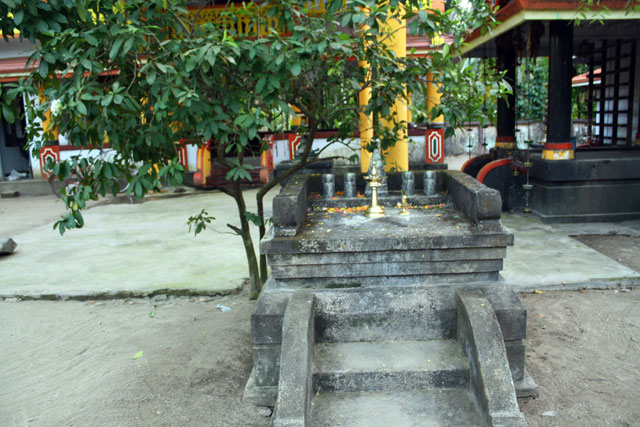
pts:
pixel 624 249
pixel 71 363
pixel 583 350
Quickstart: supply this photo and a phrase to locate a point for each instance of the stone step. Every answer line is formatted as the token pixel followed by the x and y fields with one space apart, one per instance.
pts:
pixel 379 269
pixel 389 366
pixel 387 256
pixel 425 408
pixel 370 314
pixel 426 280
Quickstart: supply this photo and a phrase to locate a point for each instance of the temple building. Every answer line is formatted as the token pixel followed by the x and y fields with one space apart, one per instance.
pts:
pixel 560 178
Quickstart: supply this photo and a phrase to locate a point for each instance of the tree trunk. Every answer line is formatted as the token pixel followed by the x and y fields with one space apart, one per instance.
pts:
pixel 262 230
pixel 255 284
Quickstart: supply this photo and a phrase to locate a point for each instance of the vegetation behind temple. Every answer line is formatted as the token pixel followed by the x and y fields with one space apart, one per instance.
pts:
pixel 141 75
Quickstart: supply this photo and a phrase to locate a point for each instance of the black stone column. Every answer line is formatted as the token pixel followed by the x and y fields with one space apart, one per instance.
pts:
pixel 506 126
pixel 560 71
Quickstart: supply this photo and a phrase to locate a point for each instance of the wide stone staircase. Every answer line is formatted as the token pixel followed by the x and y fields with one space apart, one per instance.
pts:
pixel 392 383
pixel 377 358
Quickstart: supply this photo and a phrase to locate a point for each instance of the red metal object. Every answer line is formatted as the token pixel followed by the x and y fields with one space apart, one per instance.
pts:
pixel 49 152
pixel 482 157
pixel 182 153
pixel 491 166
pixel 434 146
pixel 294 143
pixel 266 160
pixel 203 165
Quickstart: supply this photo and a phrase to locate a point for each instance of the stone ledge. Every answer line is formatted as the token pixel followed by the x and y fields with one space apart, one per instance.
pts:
pixel 272 243
pixel 460 254
pixel 325 270
pixel 474 200
pixel 257 395
pixel 482 342
pixel 290 206
pixel 296 362
pixel 381 282
pixel 510 311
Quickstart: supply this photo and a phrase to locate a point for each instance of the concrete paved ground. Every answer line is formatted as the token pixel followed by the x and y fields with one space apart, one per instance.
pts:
pixel 145 248
pixel 545 256
pixel 132 249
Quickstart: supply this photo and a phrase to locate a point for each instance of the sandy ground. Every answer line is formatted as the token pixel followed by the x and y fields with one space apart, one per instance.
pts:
pixel 71 363
pixel 583 350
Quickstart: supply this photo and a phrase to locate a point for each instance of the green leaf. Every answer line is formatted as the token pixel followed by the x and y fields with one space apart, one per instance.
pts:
pixel 295 69
pixel 138 355
pixel 90 39
pixel 445 49
pixel 260 85
pixel 86 63
pixel 7 113
pixel 253 218
pixel 107 171
pixel 82 11
pixel 449 133
pixel 127 45
pixel 82 109
pixel 115 48
pixel 43 69
pixel 231 174
pixel 190 65
pixel 18 16
pixel 151 76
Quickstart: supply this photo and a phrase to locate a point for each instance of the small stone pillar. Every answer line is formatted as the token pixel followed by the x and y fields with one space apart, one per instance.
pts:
pixel 408 183
pixel 328 185
pixel 350 185
pixel 429 183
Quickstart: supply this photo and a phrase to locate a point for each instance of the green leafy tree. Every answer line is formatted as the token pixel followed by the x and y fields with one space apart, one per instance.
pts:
pixel 533 79
pixel 142 74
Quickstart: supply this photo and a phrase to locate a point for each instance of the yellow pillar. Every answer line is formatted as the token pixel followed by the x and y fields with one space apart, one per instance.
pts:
pixel 48 117
pixel 433 100
pixel 366 126
pixel 298 119
pixel 366 120
pixel 397 157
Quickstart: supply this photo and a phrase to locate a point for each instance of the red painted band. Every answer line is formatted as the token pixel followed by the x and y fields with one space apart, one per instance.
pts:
pixel 468 163
pixel 506 139
pixel 86 147
pixel 558 146
pixel 491 166
pixel 471 161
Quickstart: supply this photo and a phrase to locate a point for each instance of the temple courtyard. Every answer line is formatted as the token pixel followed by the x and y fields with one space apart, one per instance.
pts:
pixel 133 321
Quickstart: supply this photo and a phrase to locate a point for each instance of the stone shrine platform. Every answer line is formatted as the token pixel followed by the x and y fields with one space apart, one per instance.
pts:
pixel 452 237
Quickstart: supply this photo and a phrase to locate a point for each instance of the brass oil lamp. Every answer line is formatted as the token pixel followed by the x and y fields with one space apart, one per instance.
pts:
pixel 375 181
